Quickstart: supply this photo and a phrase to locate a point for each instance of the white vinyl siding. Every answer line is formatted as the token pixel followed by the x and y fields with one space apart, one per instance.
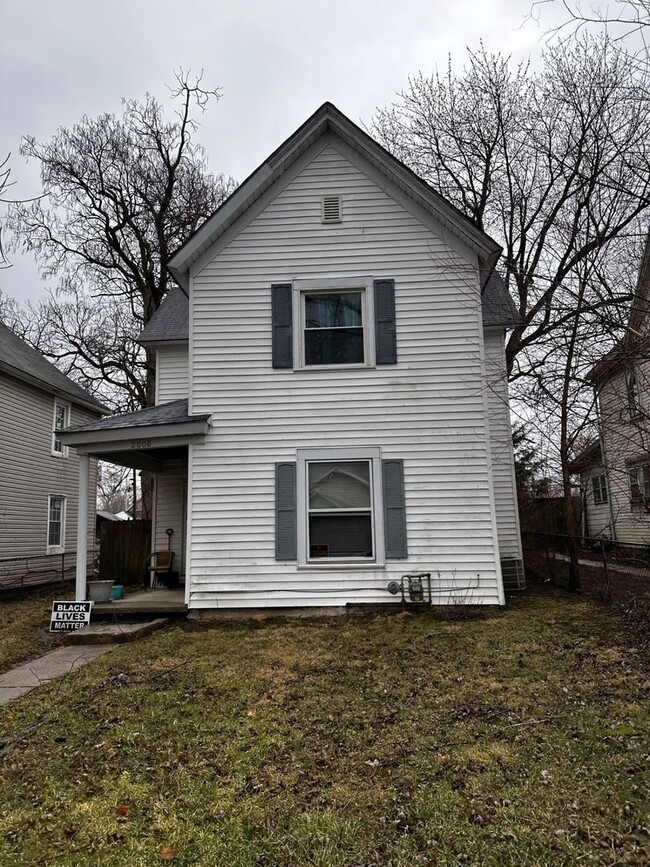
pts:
pixel 427 409
pixel 502 458
pixel 171 373
pixel 626 442
pixel 597 521
pixel 168 512
pixel 29 472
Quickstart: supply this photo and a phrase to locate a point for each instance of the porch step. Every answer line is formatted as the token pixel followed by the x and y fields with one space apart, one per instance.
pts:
pixel 150 603
pixel 114 633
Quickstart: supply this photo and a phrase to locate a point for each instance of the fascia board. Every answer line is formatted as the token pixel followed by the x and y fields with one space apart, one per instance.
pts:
pixel 156 433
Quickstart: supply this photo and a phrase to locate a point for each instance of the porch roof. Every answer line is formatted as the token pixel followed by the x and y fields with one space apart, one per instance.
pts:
pixel 154 433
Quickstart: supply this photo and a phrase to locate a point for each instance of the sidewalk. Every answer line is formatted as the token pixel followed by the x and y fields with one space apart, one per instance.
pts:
pixel 23 679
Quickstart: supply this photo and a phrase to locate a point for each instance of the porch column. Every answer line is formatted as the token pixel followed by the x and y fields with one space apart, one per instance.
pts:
pixel 82 527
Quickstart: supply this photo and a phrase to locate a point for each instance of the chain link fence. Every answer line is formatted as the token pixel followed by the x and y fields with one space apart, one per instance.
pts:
pixel 607 570
pixel 19 572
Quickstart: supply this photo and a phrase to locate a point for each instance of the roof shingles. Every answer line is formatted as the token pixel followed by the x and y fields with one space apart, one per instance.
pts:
pixel 22 361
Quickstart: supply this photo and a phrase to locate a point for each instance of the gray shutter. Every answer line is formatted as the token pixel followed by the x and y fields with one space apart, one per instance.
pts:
pixel 285 511
pixel 394 509
pixel 281 314
pixel 385 333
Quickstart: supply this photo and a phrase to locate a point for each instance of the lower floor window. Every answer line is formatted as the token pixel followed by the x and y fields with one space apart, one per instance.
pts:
pixel 339 505
pixel 340 509
pixel 599 484
pixel 639 484
pixel 55 522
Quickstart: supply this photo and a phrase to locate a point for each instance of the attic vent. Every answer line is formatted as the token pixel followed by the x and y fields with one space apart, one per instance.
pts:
pixel 331 209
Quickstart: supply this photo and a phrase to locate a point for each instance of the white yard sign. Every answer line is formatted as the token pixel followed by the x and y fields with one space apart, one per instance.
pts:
pixel 70 615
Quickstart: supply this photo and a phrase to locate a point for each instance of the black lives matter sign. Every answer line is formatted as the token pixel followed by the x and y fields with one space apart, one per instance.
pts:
pixel 70 615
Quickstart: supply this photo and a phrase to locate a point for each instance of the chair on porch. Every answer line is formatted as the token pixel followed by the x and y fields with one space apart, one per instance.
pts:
pixel 157 568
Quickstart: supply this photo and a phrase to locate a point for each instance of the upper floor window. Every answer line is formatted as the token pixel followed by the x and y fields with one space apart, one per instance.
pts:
pixel 334 327
pixel 599 484
pixel 333 322
pixel 639 477
pixel 633 400
pixel 61 420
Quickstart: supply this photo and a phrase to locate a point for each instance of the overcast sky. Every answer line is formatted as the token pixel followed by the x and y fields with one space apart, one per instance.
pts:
pixel 275 60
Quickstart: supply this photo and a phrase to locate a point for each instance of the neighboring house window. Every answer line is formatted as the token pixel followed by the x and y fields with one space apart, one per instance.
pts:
pixel 61 420
pixel 639 477
pixel 599 484
pixel 633 401
pixel 55 524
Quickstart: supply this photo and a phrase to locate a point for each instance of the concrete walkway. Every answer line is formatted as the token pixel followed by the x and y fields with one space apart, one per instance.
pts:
pixel 19 681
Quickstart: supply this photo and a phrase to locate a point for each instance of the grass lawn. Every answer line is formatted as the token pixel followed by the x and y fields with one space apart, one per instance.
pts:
pixel 503 737
pixel 25 622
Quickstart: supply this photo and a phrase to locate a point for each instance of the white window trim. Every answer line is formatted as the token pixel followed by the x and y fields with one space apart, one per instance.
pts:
pixel 56 549
pixel 365 285
pixel 304 456
pixel 64 453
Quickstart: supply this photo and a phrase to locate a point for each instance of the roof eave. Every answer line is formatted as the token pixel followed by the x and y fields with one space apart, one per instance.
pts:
pixel 86 403
pixel 198 426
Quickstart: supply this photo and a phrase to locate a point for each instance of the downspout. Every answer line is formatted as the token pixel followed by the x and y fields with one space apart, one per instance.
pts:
pixel 603 453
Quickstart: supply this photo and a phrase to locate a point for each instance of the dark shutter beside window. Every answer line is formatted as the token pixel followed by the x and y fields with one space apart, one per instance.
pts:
pixel 385 333
pixel 281 314
pixel 285 511
pixel 394 509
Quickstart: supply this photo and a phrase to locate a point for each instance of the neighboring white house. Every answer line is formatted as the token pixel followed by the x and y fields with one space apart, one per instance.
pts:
pixel 38 473
pixel 615 472
pixel 332 406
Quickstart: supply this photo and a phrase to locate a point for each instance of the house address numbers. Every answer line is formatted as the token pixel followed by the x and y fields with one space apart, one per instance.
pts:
pixel 140 444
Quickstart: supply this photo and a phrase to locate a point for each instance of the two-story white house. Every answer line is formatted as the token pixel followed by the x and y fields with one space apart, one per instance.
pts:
pixel 38 473
pixel 615 470
pixel 332 405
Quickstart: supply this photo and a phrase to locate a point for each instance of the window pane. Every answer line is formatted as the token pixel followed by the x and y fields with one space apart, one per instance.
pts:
pixel 340 536
pixel 60 416
pixel 339 485
pixel 339 346
pixel 333 310
pixel 55 521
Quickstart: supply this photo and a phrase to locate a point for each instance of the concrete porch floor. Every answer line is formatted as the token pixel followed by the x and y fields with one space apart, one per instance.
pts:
pixel 155 601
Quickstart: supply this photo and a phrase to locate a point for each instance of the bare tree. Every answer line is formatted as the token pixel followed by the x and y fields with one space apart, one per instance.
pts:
pixel 5 183
pixel 113 487
pixel 120 195
pixel 555 165
pixel 622 19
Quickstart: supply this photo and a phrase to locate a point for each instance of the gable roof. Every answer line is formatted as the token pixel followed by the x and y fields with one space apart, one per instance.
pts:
pixel 21 361
pixel 635 344
pixel 329 118
pixel 498 307
pixel 641 302
pixel 590 456
pixel 170 322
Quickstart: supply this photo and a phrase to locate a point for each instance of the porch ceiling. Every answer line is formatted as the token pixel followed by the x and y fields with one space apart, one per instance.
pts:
pixel 152 459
